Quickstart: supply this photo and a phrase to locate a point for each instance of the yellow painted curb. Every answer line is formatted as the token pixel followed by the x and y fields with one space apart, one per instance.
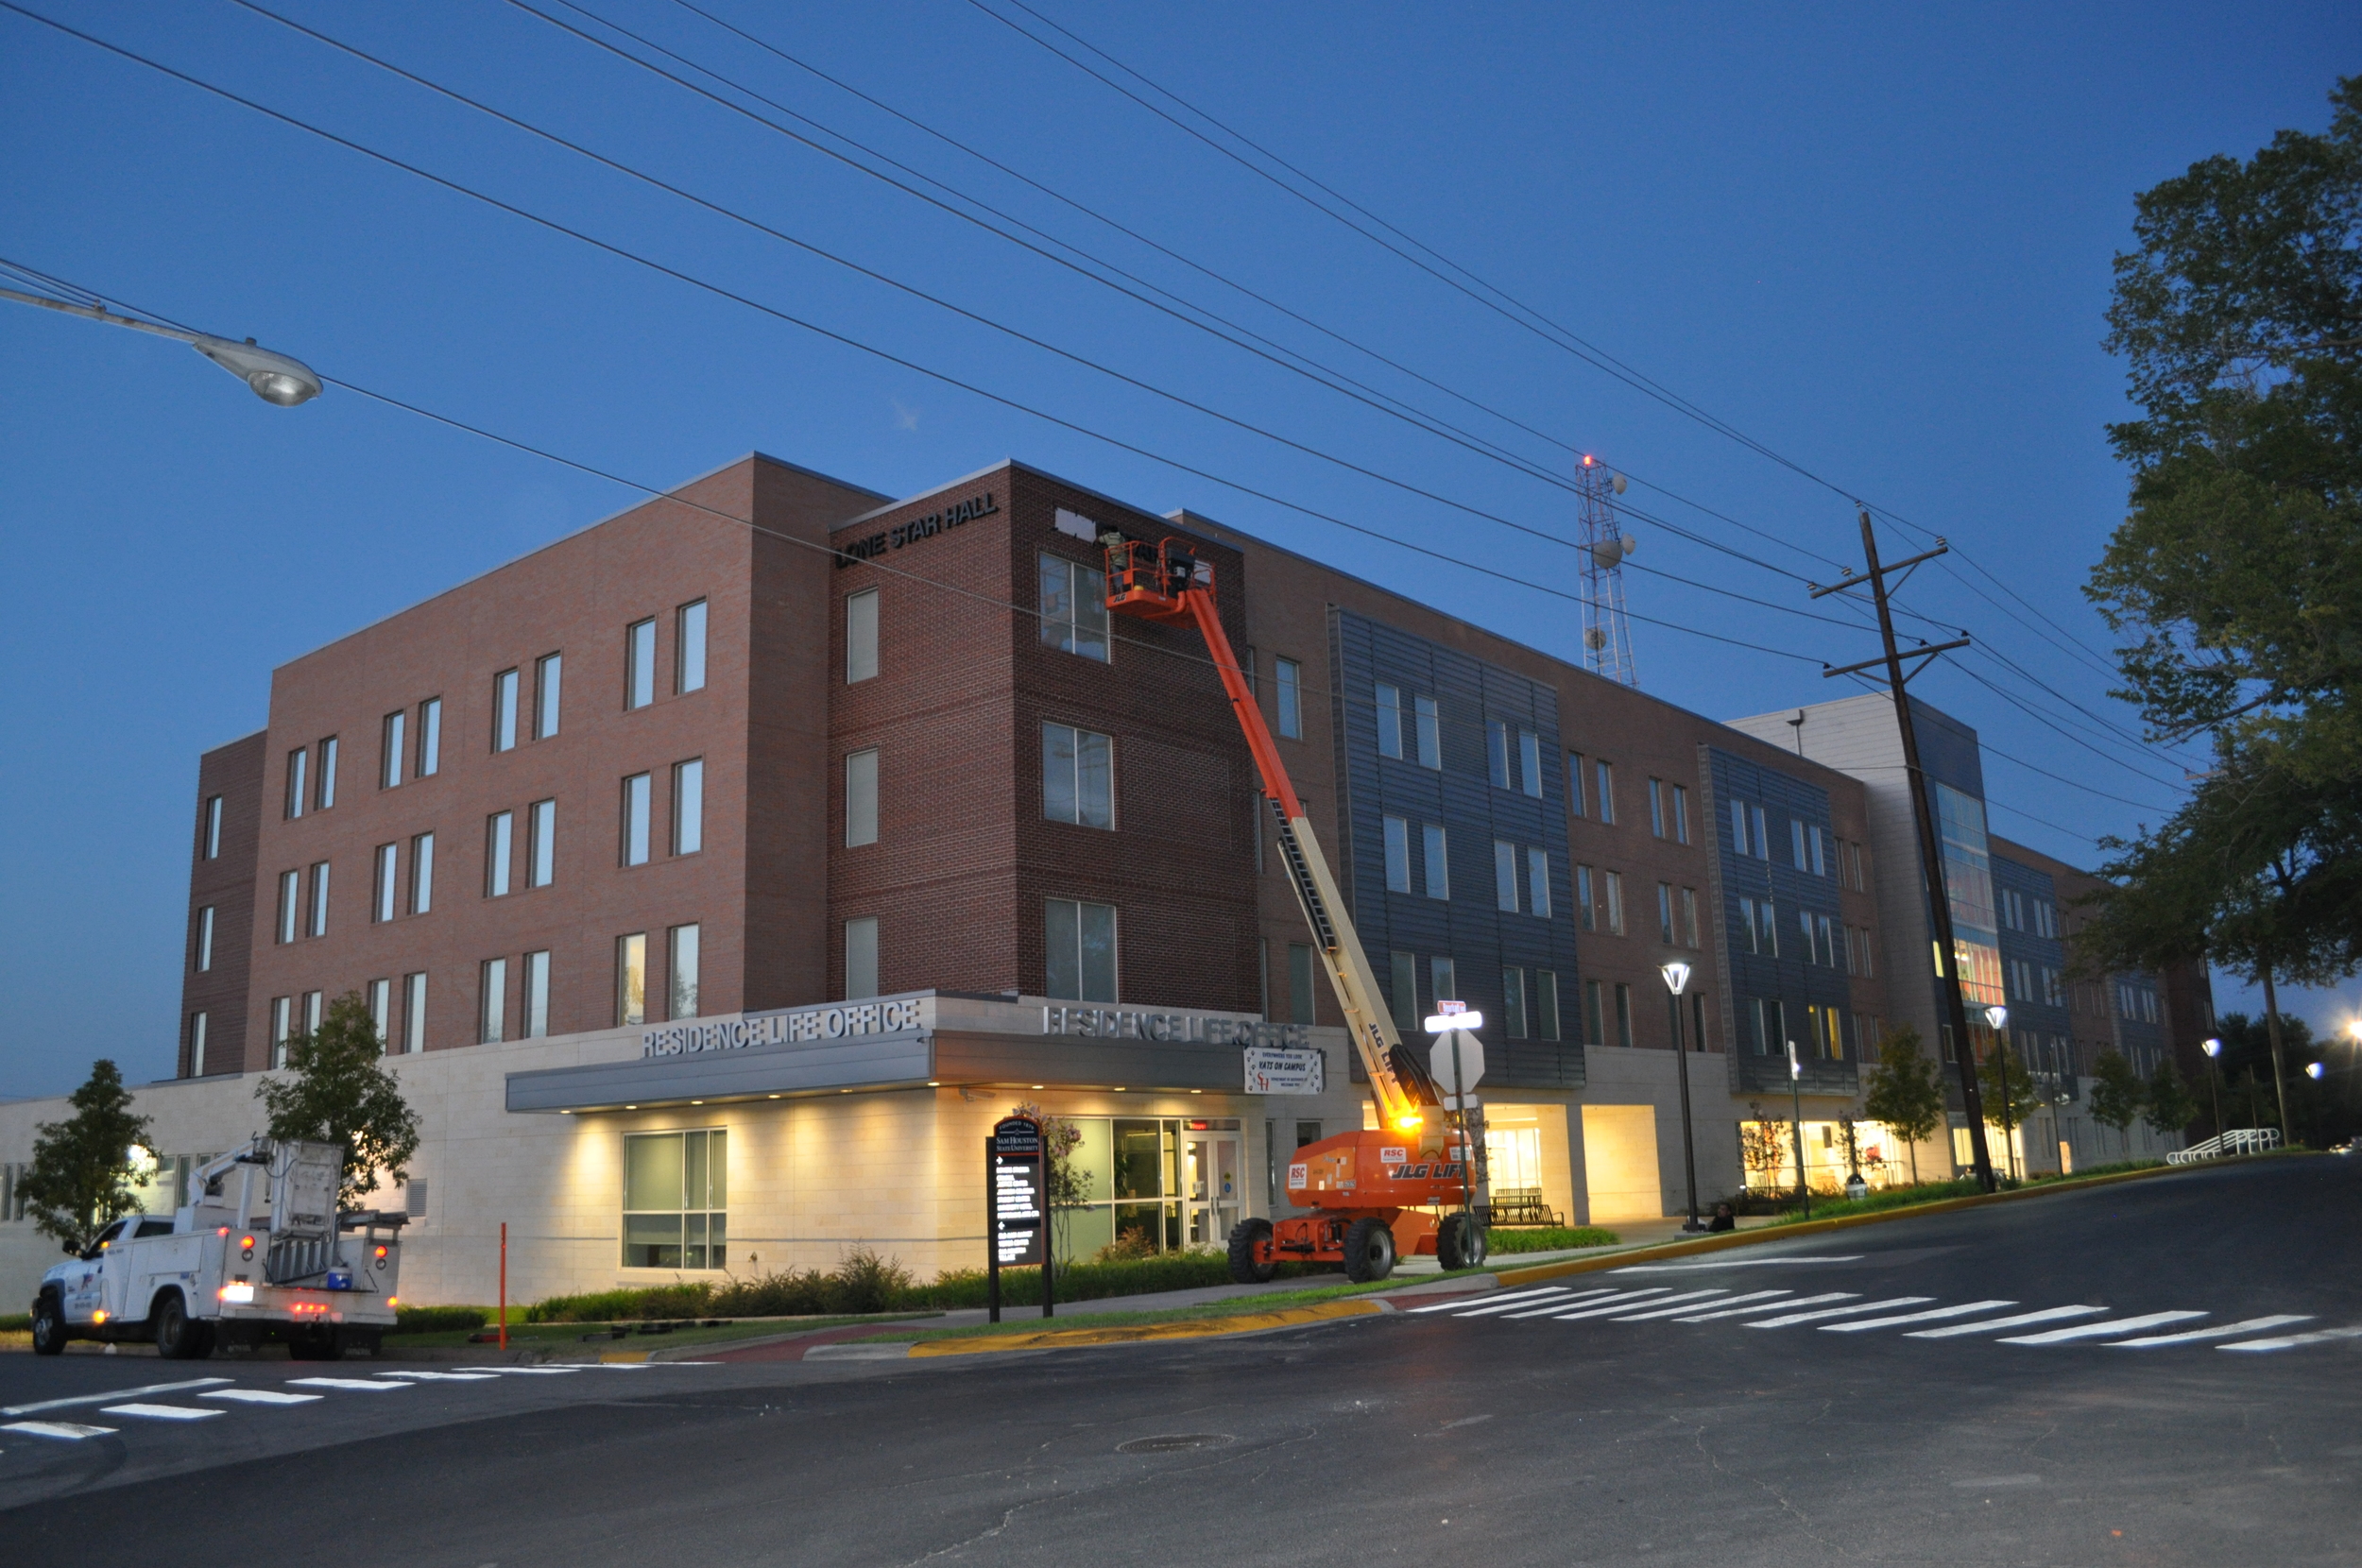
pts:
pixel 625 1355
pixel 1194 1328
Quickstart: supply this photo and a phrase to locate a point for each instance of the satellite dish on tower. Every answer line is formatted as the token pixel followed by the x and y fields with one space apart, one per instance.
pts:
pixel 1618 483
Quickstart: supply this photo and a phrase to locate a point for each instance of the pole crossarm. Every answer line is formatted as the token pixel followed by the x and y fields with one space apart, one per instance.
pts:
pixel 1907 653
pixel 1855 580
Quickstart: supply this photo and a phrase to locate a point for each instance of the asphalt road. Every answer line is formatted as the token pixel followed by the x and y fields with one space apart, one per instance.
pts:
pixel 1429 1435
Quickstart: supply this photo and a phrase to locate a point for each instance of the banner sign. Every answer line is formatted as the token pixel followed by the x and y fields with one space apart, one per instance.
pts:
pixel 1271 1070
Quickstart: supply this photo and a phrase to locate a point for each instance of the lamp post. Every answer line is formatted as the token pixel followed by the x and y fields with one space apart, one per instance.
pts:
pixel 276 378
pixel 1796 1120
pixel 2213 1079
pixel 1997 1017
pixel 1676 977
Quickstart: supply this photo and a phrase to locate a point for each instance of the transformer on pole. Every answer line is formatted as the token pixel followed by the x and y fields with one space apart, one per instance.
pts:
pixel 1606 629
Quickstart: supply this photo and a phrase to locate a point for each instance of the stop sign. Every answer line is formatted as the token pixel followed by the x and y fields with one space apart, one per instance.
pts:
pixel 1471 1050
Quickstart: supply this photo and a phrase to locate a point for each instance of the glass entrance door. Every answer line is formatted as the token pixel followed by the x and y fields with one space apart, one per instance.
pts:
pixel 1209 1187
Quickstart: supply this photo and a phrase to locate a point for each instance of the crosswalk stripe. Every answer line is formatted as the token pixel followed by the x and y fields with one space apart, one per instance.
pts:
pixel 1792 1301
pixel 2288 1341
pixel 70 1431
pixel 1534 1294
pixel 1614 1307
pixel 2107 1330
pixel 1552 1307
pixel 345 1383
pixel 259 1396
pixel 2023 1320
pixel 1569 1299
pixel 160 1412
pixel 543 1371
pixel 111 1394
pixel 1677 1311
pixel 2190 1336
pixel 1928 1316
pixel 1839 1311
pixel 445 1377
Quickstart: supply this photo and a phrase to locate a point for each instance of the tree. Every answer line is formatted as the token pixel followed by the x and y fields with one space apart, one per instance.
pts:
pixel 1905 1093
pixel 1762 1145
pixel 2117 1095
pixel 1065 1187
pixel 339 1093
pixel 2171 1106
pixel 81 1181
pixel 2008 1094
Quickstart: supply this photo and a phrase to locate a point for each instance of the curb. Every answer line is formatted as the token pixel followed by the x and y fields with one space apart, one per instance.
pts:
pixel 1200 1329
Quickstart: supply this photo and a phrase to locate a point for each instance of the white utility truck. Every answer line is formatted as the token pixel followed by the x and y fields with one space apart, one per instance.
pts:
pixel 258 1255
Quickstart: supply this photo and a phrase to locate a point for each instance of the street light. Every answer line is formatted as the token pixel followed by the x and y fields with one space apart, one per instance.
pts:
pixel 1997 1017
pixel 1796 1121
pixel 276 378
pixel 1676 977
pixel 2213 1079
pixel 2313 1070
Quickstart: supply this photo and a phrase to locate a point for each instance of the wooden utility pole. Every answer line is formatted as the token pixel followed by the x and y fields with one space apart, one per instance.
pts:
pixel 1922 815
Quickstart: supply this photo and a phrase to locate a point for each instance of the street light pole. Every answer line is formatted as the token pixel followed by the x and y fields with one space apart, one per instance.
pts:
pixel 276 378
pixel 1677 976
pixel 2213 1079
pixel 1999 1016
pixel 1796 1120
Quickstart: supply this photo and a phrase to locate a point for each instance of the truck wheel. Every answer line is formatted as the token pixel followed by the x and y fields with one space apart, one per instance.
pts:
pixel 49 1328
pixel 1461 1244
pixel 177 1337
pixel 1369 1251
pixel 320 1343
pixel 1245 1237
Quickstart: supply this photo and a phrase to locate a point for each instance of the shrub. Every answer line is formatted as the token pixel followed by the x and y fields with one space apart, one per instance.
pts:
pixel 16 1323
pixel 1092 1281
pixel 608 1307
pixel 438 1319
pixel 1547 1238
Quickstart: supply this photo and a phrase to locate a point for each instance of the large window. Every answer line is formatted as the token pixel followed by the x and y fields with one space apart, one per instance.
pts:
pixel 861 797
pixel 548 679
pixel 430 737
pixel 676 1191
pixel 1079 943
pixel 1438 859
pixel 689 807
pixel 1389 721
pixel 423 874
pixel 414 1012
pixel 382 1011
pixel 1538 882
pixel 290 903
pixel 1497 752
pixel 1615 903
pixel 212 828
pixel 689 647
pixel 681 970
pixel 196 1060
pixel 1290 692
pixel 1505 875
pixel 1073 607
pixel 541 841
pixel 1604 775
pixel 640 663
pixel 1398 854
pixel 1404 977
pixel 499 838
pixel 1430 732
pixel 861 957
pixel 492 1014
pixel 382 900
pixel 392 747
pixel 860 635
pixel 1300 983
pixel 328 772
pixel 1077 776
pixel 1443 980
pixel 536 996
pixel 505 710
pixel 635 824
pixel 319 898
pixel 631 979
pixel 296 773
pixel 204 939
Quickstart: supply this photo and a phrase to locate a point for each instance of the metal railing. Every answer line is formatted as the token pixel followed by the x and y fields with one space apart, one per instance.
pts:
pixel 2239 1140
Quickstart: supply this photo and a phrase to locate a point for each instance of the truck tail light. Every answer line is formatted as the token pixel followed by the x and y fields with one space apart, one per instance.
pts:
pixel 240 1293
pixel 99 1317
pixel 245 1247
pixel 380 1255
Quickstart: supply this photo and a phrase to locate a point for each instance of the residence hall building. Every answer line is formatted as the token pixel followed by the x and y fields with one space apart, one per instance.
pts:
pixel 717 875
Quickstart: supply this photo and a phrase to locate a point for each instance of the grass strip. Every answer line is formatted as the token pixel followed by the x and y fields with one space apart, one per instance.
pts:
pixel 1228 1307
pixel 552 1336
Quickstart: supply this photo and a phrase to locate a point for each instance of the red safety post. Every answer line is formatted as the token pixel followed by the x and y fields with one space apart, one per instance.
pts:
pixel 503 1285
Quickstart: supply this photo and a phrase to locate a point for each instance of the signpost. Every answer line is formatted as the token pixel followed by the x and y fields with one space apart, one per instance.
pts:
pixel 1457 1058
pixel 1017 1210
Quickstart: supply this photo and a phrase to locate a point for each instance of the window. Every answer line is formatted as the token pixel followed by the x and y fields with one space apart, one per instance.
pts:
pixel 1388 722
pixel 1080 940
pixel 689 647
pixel 296 774
pixel 1796 845
pixel 281 1029
pixel 1763 840
pixel 1681 814
pixel 1664 912
pixel 1574 783
pixel 1497 752
pixel 328 772
pixel 197 1057
pixel 634 820
pixel 1595 1031
pixel 382 1011
pixel 492 1020
pixel 631 979
pixel 1530 762
pixel 1290 692
pixel 1820 852
pixel 1689 917
pixel 1828 940
pixel 541 844
pixel 382 905
pixel 1585 902
pixel 204 939
pixel 212 828
pixel 1811 956
pixel 1513 1003
pixel 1404 974
pixel 1615 903
pixel 1738 826
pixel 499 833
pixel 1299 983
pixel 2045 915
pixel 390 747
pixel 1398 854
pixel 674 1198
pixel 290 898
pixel 860 635
pixel 1538 883
pixel 1505 877
pixel 1623 1015
pixel 1868 968
pixel 1605 776
pixel 536 996
pixel 640 663
pixel 861 797
pixel 860 958
pixel 423 874
pixel 414 1012
pixel 1438 860
pixel 430 737
pixel 1656 808
pixel 1770 927
pixel 1545 1004
pixel 1073 607
pixel 1430 732
pixel 1747 919
pixel 680 970
pixel 319 898
pixel 689 807
pixel 1077 776
pixel 1441 976
pixel 548 679
pixel 505 710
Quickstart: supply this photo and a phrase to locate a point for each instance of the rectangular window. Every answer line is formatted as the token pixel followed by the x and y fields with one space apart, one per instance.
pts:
pixel 1073 607
pixel 1681 814
pixel 681 970
pixel 1665 912
pixel 1389 721
pixel 1747 919
pixel 1404 974
pixel 1290 690
pixel 1763 840
pixel 1497 752
pixel 1438 859
pixel 319 898
pixel 296 774
pixel 1077 776
pixel 1623 1015
pixel 414 1012
pixel 1538 883
pixel 196 1062
pixel 640 664
pixel 1545 1004
pixel 423 874
pixel 328 772
pixel 430 737
pixel 1447 983
pixel 1689 917
pixel 861 797
pixel 1595 1028
pixel 1656 808
pixel 290 904
pixel 1513 1003
pixel 1299 983
pixel 381 895
pixel 860 635
pixel 1398 854
pixel 549 674
pixel 1574 784
pixel 312 1000
pixel 674 1198
pixel 689 807
pixel 1812 953
pixel 689 647
pixel 212 828
pixel 392 747
pixel 631 979
pixel 860 958
pixel 382 1011
pixel 1796 845
pixel 1738 827
pixel 1080 940
pixel 1828 940
pixel 1504 876
pixel 1615 903
pixel 492 1016
pixel 498 837
pixel 505 710
pixel 1605 776
pixel 1530 764
pixel 541 841
pixel 1429 727
pixel 536 996
pixel 1770 927
pixel 1586 905
pixel 281 1029
pixel 204 939
pixel 634 820
pixel 1820 853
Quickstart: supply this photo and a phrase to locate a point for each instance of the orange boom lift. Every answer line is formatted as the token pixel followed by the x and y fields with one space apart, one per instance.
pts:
pixel 1368 1189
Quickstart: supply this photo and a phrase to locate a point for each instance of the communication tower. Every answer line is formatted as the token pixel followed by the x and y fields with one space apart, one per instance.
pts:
pixel 1606 630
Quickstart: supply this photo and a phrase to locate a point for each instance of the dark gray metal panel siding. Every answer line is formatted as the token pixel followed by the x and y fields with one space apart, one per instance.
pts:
pixel 2029 1011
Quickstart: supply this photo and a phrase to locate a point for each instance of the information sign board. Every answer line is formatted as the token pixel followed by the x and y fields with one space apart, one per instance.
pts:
pixel 1016 1204
pixel 1277 1070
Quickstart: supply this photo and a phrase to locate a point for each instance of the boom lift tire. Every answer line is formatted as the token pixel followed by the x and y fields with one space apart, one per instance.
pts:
pixel 177 1337
pixel 48 1327
pixel 1461 1243
pixel 1369 1251
pixel 1244 1237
